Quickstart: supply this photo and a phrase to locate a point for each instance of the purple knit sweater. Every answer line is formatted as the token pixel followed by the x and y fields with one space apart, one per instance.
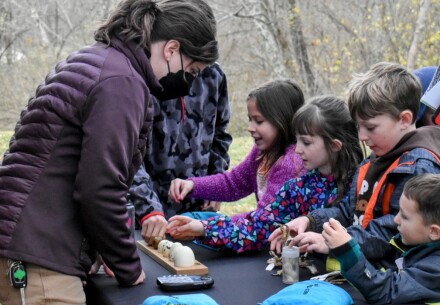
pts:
pixel 241 181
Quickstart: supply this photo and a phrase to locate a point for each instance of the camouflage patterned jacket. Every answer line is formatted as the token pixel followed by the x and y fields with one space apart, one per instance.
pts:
pixel 189 144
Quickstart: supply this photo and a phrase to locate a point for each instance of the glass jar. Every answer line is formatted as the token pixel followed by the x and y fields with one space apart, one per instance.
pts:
pixel 290 261
pixel 130 222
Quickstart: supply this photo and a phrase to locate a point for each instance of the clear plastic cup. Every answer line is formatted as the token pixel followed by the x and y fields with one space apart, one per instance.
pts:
pixel 290 261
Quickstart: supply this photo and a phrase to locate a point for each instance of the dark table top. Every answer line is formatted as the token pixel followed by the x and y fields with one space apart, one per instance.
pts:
pixel 239 279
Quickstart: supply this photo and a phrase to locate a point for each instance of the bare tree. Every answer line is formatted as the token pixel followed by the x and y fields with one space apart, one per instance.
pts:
pixel 301 50
pixel 418 32
pixel 319 43
pixel 11 30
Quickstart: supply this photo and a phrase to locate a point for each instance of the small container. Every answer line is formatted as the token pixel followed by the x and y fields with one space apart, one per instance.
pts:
pixel 130 222
pixel 290 261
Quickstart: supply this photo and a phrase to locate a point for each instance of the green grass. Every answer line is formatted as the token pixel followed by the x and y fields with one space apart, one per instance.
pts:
pixel 5 136
pixel 239 149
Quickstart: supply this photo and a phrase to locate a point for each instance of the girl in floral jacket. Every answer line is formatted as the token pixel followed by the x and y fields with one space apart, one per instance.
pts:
pixel 329 147
pixel 271 162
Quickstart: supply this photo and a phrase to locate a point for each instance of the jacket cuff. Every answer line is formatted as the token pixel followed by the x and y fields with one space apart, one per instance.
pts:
pixel 312 224
pixel 348 254
pixel 150 215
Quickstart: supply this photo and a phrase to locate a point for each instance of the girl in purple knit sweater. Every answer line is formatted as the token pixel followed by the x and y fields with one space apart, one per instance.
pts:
pixel 271 162
pixel 328 143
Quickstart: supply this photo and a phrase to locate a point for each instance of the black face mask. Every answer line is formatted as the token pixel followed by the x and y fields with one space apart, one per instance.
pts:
pixel 174 84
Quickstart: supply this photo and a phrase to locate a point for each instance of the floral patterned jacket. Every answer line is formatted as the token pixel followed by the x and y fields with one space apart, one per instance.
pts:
pixel 297 197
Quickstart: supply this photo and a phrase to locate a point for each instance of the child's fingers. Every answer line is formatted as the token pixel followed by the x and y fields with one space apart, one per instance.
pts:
pixel 108 271
pixel 275 234
pixel 325 235
pixel 184 229
pixel 174 190
pixel 276 241
pixel 179 189
pixel 299 240
pixel 303 248
pixel 336 225
pixel 185 188
pixel 178 221
pixel 172 224
pixel 183 193
pixel 327 228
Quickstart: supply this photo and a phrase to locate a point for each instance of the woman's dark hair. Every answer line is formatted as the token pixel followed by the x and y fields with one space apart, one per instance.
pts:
pixel 278 101
pixel 328 117
pixel 191 22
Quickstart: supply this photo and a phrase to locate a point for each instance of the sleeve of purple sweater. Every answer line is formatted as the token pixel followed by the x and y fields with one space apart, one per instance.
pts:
pixel 229 186
pixel 287 167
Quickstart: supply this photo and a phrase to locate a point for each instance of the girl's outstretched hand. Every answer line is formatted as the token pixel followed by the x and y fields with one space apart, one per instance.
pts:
pixel 183 227
pixel 179 189
pixel 335 234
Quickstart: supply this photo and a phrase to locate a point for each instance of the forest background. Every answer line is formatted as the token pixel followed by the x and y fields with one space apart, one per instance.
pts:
pixel 319 43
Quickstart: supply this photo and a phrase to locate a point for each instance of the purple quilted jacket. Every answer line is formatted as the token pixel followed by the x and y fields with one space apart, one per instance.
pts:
pixel 76 148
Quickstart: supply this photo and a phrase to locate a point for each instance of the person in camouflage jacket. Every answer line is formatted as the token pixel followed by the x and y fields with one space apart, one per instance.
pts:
pixel 189 139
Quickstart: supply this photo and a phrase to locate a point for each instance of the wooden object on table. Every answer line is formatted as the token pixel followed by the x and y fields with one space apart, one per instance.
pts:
pixel 198 268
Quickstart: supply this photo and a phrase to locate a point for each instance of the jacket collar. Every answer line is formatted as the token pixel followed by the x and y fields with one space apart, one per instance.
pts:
pixel 139 59
pixel 396 241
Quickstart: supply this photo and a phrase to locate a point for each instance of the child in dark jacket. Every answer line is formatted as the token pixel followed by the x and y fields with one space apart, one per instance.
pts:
pixel 425 75
pixel 189 139
pixel 384 102
pixel 415 276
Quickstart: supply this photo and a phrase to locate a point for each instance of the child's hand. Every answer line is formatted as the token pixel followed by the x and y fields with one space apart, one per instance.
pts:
pixel 154 226
pixel 140 279
pixel 179 189
pixel 211 206
pixel 182 227
pixel 97 265
pixel 296 226
pixel 335 234
pixel 310 242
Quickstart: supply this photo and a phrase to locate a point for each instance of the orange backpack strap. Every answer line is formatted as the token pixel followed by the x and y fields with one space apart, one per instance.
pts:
pixel 362 173
pixel 368 216
pixel 386 199
pixel 389 190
